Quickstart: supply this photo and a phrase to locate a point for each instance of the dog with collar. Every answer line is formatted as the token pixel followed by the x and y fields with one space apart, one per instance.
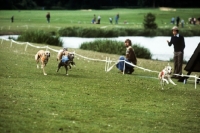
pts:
pixel 43 57
pixel 66 61
pixel 165 76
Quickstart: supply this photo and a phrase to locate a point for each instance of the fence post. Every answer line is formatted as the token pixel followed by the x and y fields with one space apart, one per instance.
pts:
pixel 26 46
pixel 106 65
pixel 124 67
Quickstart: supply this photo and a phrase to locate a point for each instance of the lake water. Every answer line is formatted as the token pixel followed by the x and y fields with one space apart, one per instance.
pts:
pixel 157 45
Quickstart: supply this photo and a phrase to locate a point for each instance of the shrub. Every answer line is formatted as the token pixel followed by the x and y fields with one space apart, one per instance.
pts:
pixel 115 47
pixel 40 37
pixel 115 32
pixel 149 21
pixel 142 52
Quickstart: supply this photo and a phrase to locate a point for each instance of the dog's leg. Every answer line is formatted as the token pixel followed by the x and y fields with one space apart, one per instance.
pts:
pixel 170 80
pixel 37 60
pixel 160 77
pixel 37 63
pixel 70 66
pixel 66 68
pixel 164 80
pixel 59 65
pixel 73 63
pixel 42 66
pixel 44 71
pixel 161 83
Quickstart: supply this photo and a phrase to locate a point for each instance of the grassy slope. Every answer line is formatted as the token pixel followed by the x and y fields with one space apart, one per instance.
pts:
pixel 35 19
pixel 89 99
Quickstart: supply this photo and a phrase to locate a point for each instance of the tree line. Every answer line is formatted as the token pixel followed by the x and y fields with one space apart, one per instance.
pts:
pixel 93 4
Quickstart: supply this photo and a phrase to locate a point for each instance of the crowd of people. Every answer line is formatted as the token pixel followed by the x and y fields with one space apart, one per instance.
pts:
pixel 194 21
pixel 178 21
pixel 98 19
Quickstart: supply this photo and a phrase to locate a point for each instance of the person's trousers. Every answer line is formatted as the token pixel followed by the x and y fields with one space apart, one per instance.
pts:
pixel 178 61
pixel 120 65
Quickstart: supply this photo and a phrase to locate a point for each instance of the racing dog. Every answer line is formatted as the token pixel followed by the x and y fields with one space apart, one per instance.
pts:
pixel 61 53
pixel 43 57
pixel 66 61
pixel 165 76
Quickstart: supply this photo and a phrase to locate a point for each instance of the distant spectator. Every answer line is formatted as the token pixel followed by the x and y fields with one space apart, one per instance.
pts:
pixel 182 23
pixel 98 19
pixel 94 19
pixel 177 21
pixel 110 19
pixel 12 19
pixel 194 21
pixel 116 18
pixel 48 17
pixel 198 20
pixel 172 20
pixel 189 20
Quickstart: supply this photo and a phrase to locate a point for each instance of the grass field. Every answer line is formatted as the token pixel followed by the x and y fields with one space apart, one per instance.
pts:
pixel 89 99
pixel 35 19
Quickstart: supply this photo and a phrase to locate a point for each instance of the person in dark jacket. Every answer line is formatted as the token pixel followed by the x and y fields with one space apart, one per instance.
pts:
pixel 48 17
pixel 12 19
pixel 179 44
pixel 130 58
pixel 177 21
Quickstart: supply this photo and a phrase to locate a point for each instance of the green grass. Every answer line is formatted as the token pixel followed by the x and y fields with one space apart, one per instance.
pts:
pixel 89 99
pixel 35 19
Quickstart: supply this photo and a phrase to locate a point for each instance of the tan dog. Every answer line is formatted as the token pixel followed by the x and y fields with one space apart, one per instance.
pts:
pixel 61 53
pixel 43 56
pixel 165 76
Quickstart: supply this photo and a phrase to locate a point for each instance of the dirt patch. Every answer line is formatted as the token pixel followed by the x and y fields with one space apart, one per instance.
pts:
pixel 87 10
pixel 167 9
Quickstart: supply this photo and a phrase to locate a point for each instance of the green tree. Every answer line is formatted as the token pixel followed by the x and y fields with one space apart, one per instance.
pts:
pixel 149 21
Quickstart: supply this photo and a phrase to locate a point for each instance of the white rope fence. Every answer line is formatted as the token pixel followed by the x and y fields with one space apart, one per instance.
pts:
pixel 107 61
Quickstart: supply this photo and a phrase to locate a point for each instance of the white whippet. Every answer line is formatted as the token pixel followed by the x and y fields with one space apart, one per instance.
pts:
pixel 165 76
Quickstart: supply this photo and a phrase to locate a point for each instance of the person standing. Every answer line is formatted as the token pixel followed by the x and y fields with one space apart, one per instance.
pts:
pixel 110 19
pixel 48 17
pixel 177 21
pixel 98 19
pixel 182 23
pixel 172 20
pixel 130 58
pixel 179 44
pixel 116 18
pixel 94 19
pixel 12 19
